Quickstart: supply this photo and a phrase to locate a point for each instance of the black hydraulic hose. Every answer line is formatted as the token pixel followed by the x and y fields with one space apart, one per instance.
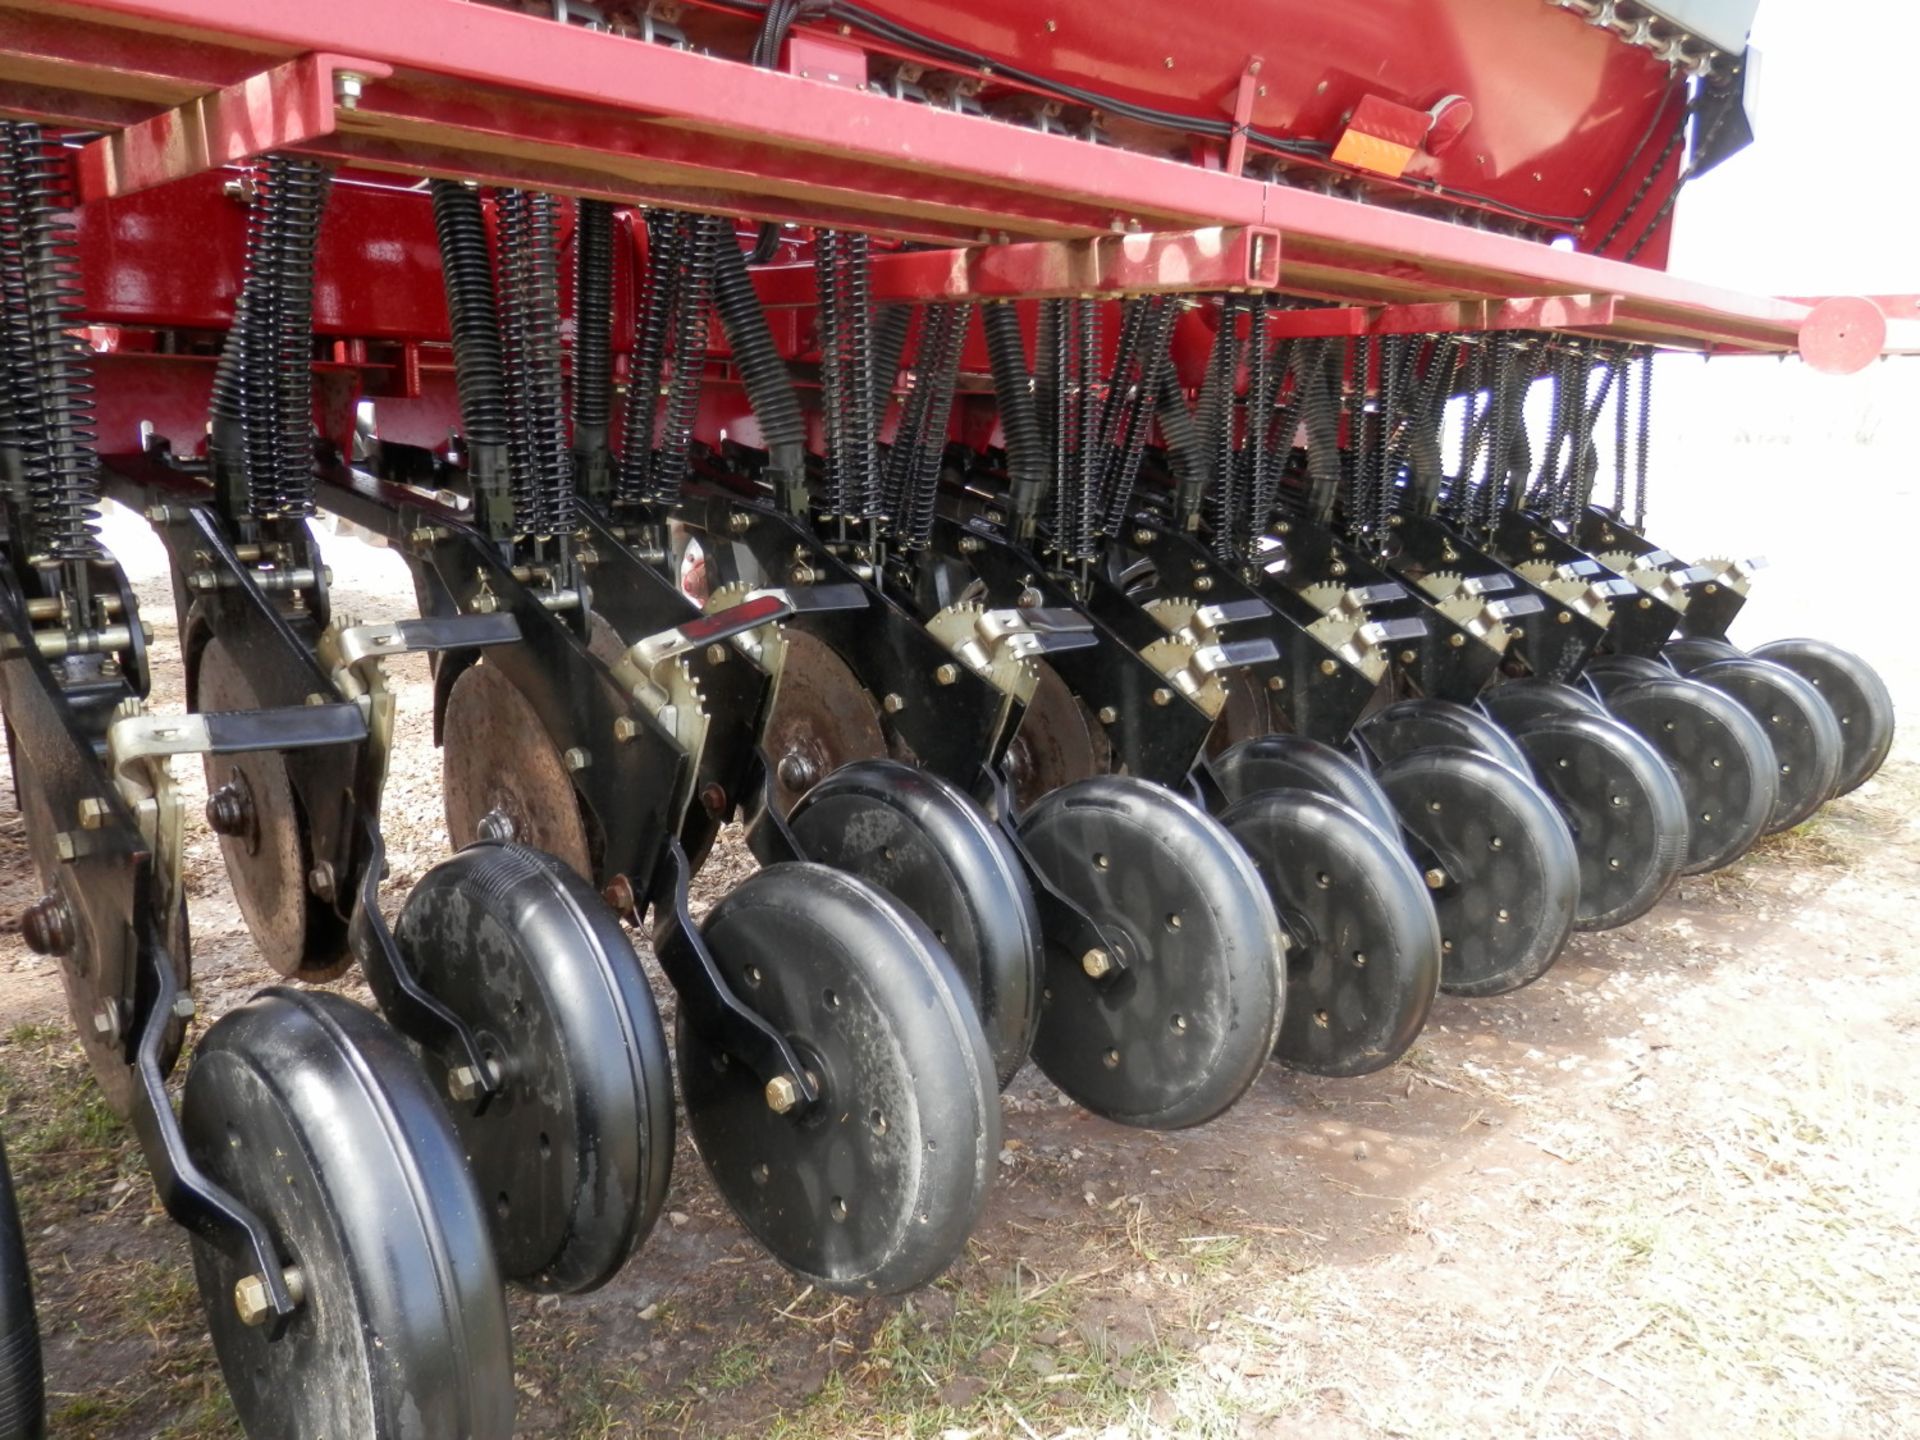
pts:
pixel 479 362
pixel 1186 456
pixel 769 384
pixel 1019 417
pixel 653 329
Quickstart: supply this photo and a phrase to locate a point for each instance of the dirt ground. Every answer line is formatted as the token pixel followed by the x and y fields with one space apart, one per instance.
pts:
pixel 1673 1188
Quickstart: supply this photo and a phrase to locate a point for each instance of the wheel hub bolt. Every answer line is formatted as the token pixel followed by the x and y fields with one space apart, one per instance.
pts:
pixel 466 1084
pixel 230 810
pixel 782 1094
pixel 253 1301
pixel 1097 963
pixel 796 772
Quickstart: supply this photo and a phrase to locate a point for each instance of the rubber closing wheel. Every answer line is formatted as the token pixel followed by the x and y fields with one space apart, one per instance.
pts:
pixel 574 1153
pixel 1718 753
pixel 1607 673
pixel 268 861
pixel 1856 694
pixel 1409 725
pixel 1687 653
pixel 1801 729
pixel 1508 880
pixel 1513 703
pixel 1624 807
pixel 930 847
pixel 1364 965
pixel 22 1382
pixel 311 1112
pixel 1293 762
pixel 1178 1035
pixel 875 1189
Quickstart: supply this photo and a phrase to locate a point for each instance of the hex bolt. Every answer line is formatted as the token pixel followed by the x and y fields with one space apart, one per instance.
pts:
pixel 47 925
pixel 1108 714
pixel 183 1006
pixel 578 759
pixel 1329 667
pixel 106 1020
pixel 782 1094
pixel 1163 696
pixel 93 813
pixel 1143 536
pixel 320 880
pixel 893 704
pixel 348 85
pixel 1436 878
pixel 739 522
pixel 625 728
pixel 1097 963
pixel 947 674
pixel 466 1084
pixel 253 1302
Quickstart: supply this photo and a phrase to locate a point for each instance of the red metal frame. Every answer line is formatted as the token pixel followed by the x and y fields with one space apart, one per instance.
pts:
pixel 470 90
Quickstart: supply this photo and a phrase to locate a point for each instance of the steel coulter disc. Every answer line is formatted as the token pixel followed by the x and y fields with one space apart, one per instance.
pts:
pixel 1058 743
pixel 1624 807
pixel 310 1111
pixel 1856 694
pixel 874 1189
pixel 1717 752
pixel 495 758
pixel 87 999
pixel 573 1155
pixel 1364 965
pixel 22 1381
pixel 930 848
pixel 1293 762
pixel 1410 725
pixel 1508 879
pixel 1687 653
pixel 1801 728
pixel 1180 1034
pixel 300 935
pixel 1514 702
pixel 822 719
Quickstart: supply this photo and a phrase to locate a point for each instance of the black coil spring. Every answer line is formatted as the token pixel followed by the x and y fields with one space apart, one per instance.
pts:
pixel 302 187
pixel 930 410
pixel 530 328
pixel 1152 360
pixel 845 285
pixel 1643 440
pixel 1186 456
pixel 1214 416
pixel 653 329
pixel 1323 375
pixel 50 372
pixel 592 323
pixel 706 236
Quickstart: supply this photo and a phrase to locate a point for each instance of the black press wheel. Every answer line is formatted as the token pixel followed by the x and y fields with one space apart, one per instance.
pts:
pixel 1422 724
pixel 1499 861
pixel 1856 694
pixel 1687 653
pixel 1293 762
pixel 311 1111
pixel 1364 964
pixel 1607 673
pixel 1799 725
pixel 1624 807
pixel 875 1188
pixel 930 847
pixel 1718 753
pixel 573 1154
pixel 1178 1034
pixel 23 1413
pixel 1512 703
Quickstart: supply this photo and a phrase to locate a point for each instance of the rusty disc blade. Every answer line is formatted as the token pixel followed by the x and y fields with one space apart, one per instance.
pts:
pixel 822 718
pixel 1249 713
pixel 496 759
pixel 301 935
pixel 1059 741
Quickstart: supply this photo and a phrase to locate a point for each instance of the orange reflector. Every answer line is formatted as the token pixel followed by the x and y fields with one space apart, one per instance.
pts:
pixel 1382 137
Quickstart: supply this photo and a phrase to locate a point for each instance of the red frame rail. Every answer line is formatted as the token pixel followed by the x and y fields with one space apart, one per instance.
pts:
pixel 454 88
